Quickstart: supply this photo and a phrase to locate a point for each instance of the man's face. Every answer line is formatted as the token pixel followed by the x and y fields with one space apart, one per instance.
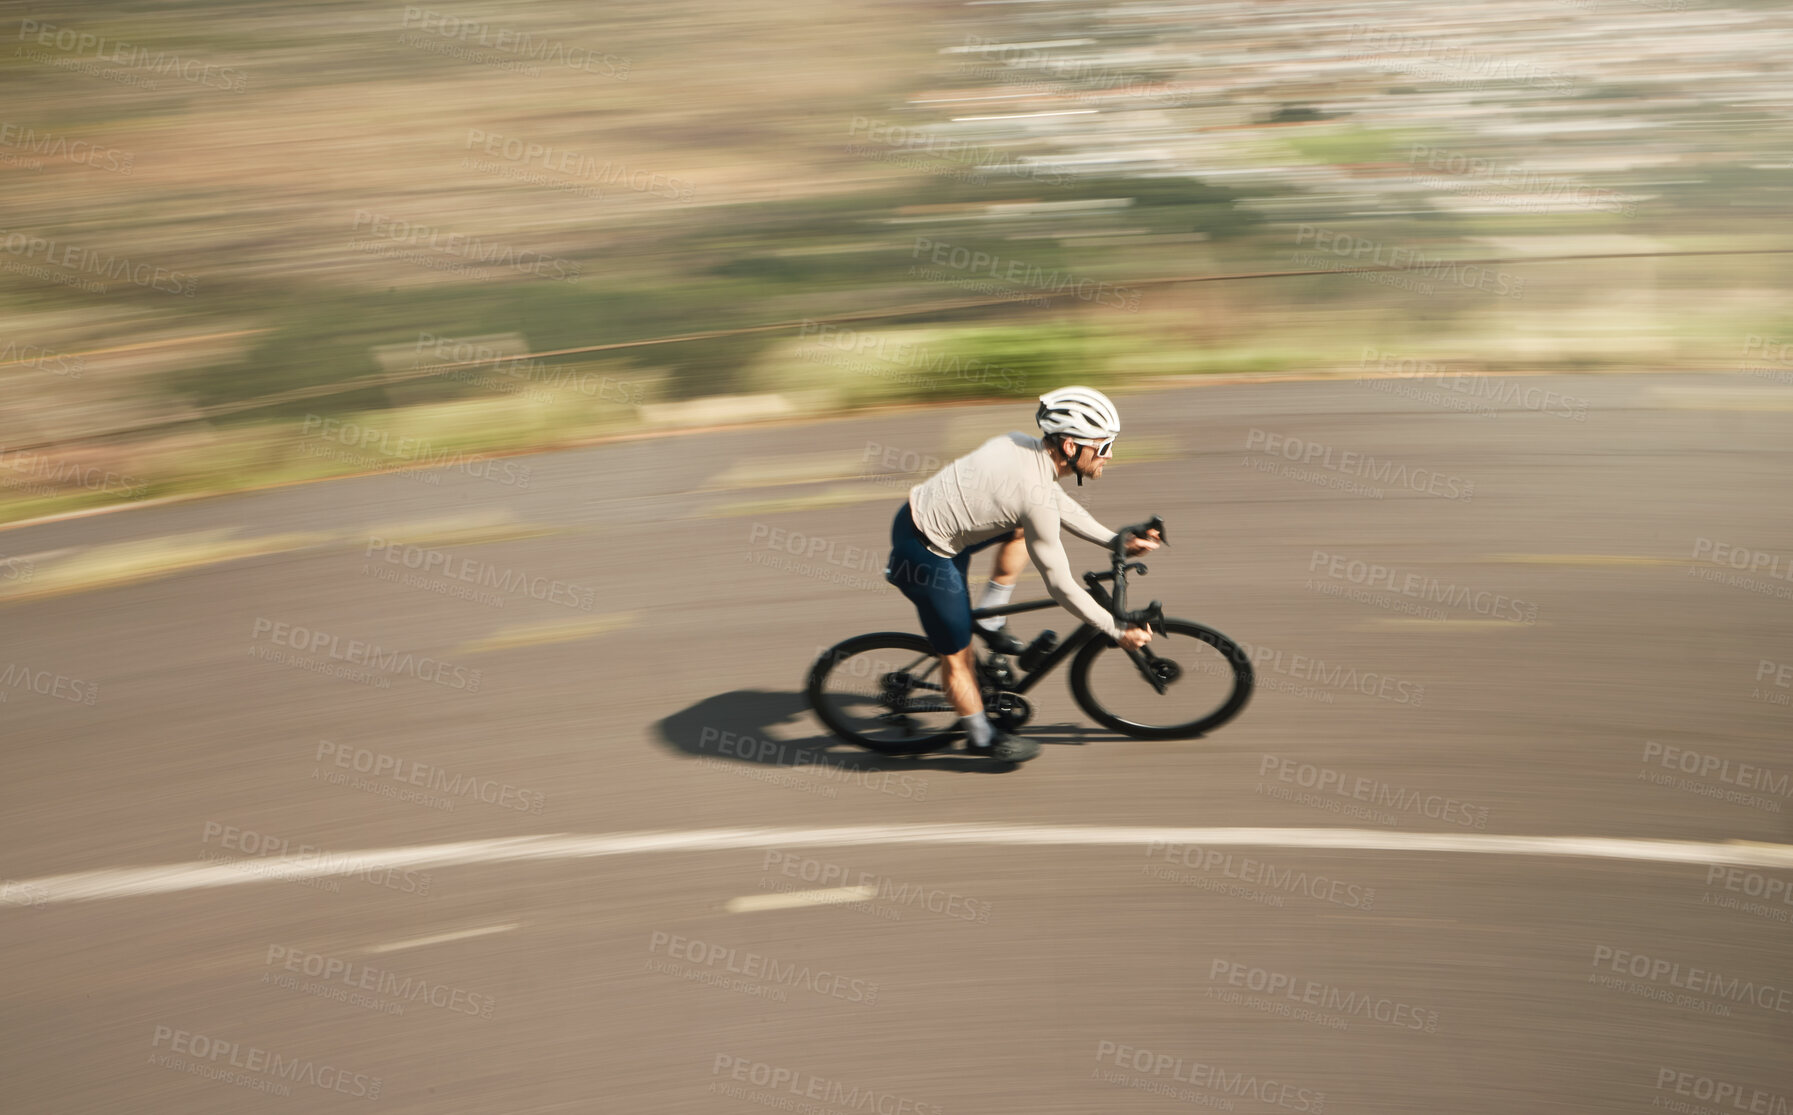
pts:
pixel 1091 464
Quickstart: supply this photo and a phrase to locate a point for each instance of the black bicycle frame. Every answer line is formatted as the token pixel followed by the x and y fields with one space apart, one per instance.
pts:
pixel 1115 603
pixel 1063 650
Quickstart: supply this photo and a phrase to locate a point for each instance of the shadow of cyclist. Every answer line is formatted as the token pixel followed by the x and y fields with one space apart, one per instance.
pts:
pixel 744 727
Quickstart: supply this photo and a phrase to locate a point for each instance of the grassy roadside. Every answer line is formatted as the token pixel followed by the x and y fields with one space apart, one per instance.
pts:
pixel 423 439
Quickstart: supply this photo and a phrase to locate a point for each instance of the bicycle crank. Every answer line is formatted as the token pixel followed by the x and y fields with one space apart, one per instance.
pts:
pixel 1006 710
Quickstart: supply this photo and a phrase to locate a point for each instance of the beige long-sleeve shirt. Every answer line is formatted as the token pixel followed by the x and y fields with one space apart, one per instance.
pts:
pixel 1010 482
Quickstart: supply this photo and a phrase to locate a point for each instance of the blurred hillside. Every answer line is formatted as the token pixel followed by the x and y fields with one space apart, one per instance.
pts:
pixel 220 202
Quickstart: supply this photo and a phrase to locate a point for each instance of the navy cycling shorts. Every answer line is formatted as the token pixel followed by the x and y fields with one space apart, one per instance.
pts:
pixel 935 585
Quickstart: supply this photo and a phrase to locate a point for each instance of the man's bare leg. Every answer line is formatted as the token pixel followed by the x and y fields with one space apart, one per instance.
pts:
pixel 1011 559
pixel 961 683
pixel 967 698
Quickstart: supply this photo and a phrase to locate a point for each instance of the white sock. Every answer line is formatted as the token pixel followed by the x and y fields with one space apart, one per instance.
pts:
pixel 995 596
pixel 977 726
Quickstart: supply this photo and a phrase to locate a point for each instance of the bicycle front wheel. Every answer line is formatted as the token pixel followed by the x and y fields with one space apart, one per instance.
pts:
pixel 885 692
pixel 1207 680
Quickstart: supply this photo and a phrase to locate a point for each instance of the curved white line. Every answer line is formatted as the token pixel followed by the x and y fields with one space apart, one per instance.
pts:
pixel 126 882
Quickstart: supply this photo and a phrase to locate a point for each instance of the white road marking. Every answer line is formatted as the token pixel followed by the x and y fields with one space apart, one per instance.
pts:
pixel 749 903
pixel 127 882
pixel 984 47
pixel 1405 623
pixel 1029 115
pixel 419 942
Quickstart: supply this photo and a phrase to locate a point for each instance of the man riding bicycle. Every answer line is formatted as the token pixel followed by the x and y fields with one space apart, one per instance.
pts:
pixel 1005 493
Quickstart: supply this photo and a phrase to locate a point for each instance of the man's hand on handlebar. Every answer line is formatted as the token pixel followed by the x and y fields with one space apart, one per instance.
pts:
pixel 1135 637
pixel 1140 544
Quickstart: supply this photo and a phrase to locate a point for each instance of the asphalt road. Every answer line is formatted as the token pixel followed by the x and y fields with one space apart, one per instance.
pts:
pixel 1557 644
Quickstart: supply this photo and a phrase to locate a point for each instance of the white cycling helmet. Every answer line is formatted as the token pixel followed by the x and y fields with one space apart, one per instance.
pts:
pixel 1083 414
pixel 1080 412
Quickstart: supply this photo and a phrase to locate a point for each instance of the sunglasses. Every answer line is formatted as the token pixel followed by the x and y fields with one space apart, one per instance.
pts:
pixel 1103 449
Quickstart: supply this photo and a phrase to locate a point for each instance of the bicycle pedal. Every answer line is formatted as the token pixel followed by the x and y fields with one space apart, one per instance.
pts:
pixel 1002 641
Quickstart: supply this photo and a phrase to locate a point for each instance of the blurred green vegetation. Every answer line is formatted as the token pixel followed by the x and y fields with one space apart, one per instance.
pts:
pixel 1355 145
pixel 771 256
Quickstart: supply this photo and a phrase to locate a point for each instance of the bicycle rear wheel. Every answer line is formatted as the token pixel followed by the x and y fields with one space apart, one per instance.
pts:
pixel 1207 680
pixel 884 692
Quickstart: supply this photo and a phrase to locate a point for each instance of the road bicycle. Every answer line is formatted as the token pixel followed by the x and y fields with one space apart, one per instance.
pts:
pixel 884 691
